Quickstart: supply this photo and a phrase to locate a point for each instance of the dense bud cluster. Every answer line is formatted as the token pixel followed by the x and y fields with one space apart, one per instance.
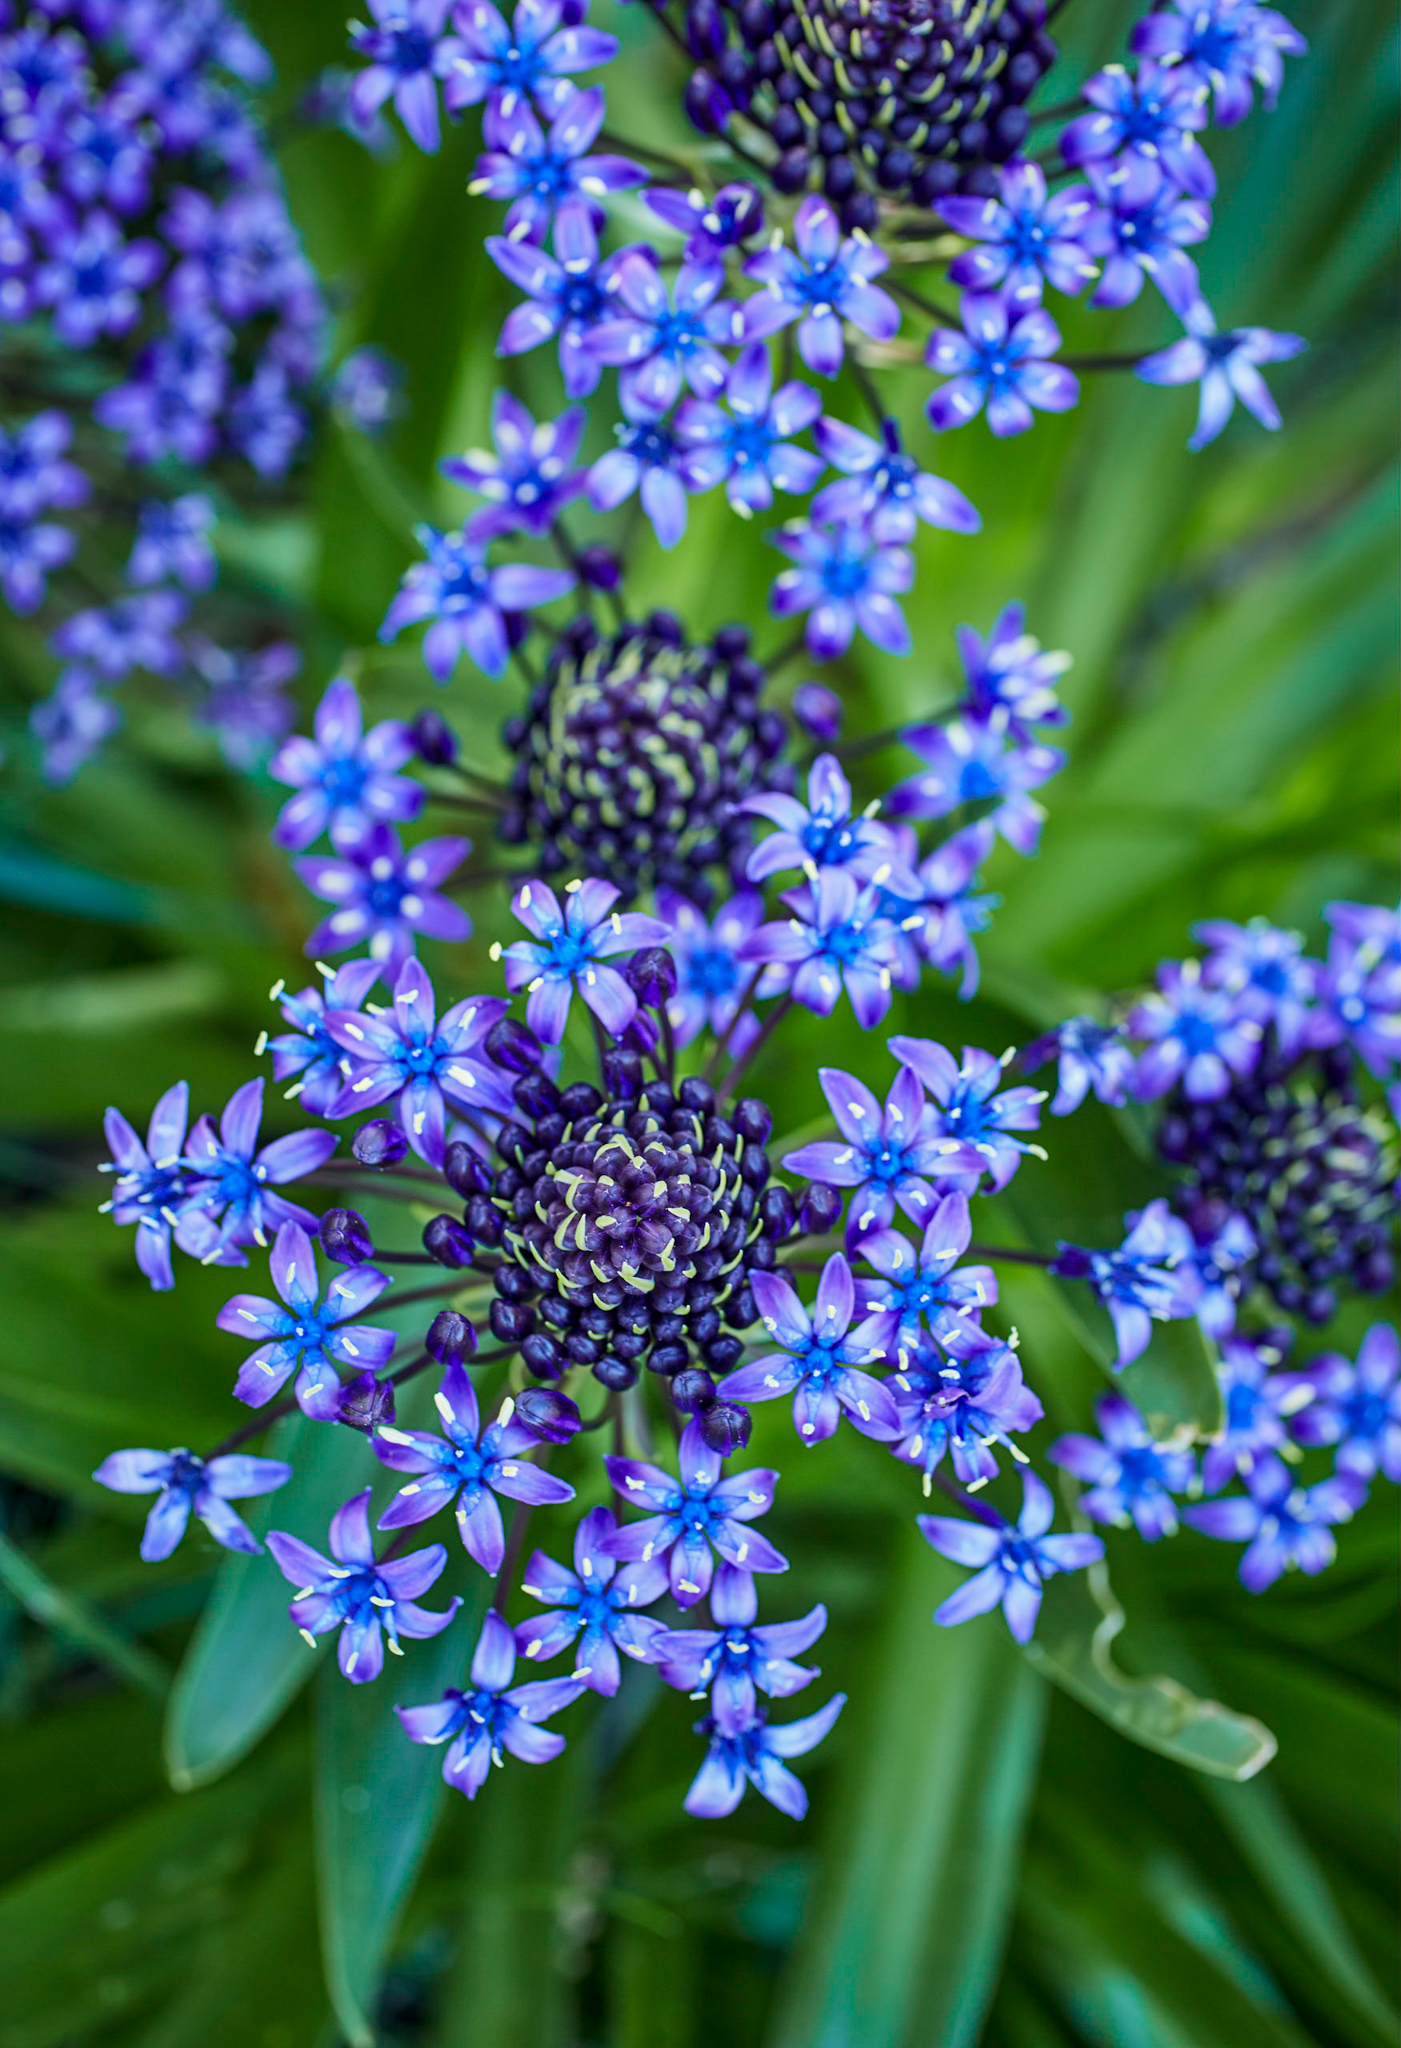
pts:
pixel 633 754
pixel 1310 1167
pixel 911 98
pixel 628 1230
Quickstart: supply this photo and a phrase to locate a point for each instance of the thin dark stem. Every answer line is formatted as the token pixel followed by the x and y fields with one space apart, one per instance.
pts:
pixel 865 384
pixel 712 1065
pixel 1011 1254
pixel 406 1258
pixel 1062 112
pixel 914 298
pixel 337 1172
pixel 484 783
pixel 656 156
pixel 369 1187
pixel 764 1033
pixel 388 1301
pixel 482 806
pixel 523 663
pixel 668 1047
pixel 1101 362
pixel 1053 10
pixel 569 553
pixel 789 651
pixel 955 1492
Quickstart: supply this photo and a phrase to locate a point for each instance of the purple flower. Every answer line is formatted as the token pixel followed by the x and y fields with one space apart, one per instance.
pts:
pixel 1264 970
pixel 410 1054
pixel 308 1052
pixel 93 279
pixel 155 1183
pixel 967 1404
pixel 385 896
pixel 344 777
pixel 570 293
pixel 827 281
pixel 837 935
pixel 567 950
pixel 540 173
pixel 1286 1526
pixel 1012 671
pixel 818 711
pixel 245 703
pixel 1140 227
pixel 1138 1283
pixel 27 554
pixel 823 833
pixel 921 1287
pixel 408 54
pixel 1089 1055
pixel 883 488
pixel 530 478
pixel 458 1467
pixel 709 972
pixel 236 1180
pixel 844 578
pixel 184 1483
pixel 1026 240
pixel 35 473
pixel 712 226
pixel 1357 1407
pixel 465 600
pixel 884 1154
pixel 170 404
pixel 820 1360
pixel 170 542
pixel 1130 1476
pixel 1223 1245
pixel 735 1660
pixel 263 422
pixel 533 57
pixel 969 1110
pixel 595 1606
pixel 308 1336
pixel 998 363
pixel 658 341
pixel 1227 45
pixel 938 924
pixel 131 632
pixel 1155 113
pixel 494 1716
pixel 753 1757
pixel 1360 987
pixel 1013 1559
pixel 242 254
pixel 650 460
pixel 975 759
pixel 1196 1037
pixel 107 158
pixel 365 1600
pixel 366 390
pixel 1226 367
pixel 1257 1402
pixel 693 1517
pixel 747 448
pixel 71 724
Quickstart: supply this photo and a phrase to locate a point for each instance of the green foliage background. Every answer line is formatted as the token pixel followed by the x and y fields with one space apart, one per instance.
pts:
pixel 986 1859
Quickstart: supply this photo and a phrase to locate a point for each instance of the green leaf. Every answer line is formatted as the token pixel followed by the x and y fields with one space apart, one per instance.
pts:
pixel 904 1941
pixel 378 1796
pixel 246 1662
pixel 77 1622
pixel 1075 1631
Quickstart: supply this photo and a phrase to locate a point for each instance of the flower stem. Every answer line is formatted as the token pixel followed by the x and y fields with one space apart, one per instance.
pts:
pixel 1009 1252
pixel 712 1065
pixel 766 1029
pixel 789 651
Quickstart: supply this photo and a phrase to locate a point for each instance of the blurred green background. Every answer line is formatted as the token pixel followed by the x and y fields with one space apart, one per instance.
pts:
pixel 985 1859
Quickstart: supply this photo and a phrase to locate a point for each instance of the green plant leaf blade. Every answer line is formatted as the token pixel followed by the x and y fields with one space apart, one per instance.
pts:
pixel 1077 1625
pixel 73 1618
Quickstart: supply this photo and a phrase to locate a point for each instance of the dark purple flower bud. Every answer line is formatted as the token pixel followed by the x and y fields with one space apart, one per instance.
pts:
pixel 705 29
pixel 510 1321
pixel 753 1120
pixel 819 1206
pixel 345 1237
pixel 1071 1263
pixel 818 711
pixel 513 1045
pixel 692 1391
pixel 465 1171
pixel 726 1427
pixel 366 1403
pixel 434 740
pixel 380 1143
pixel 778 1213
pixel 535 1095
pixel 517 627
pixel 651 975
pixel 708 105
pixel 544 1355
pixel 580 1099
pixel 446 1240
pixel 451 1337
pixel 615 1373
pixel 483 1219
pixel 1035 1055
pixel 599 567
pixel 550 1416
pixel 696 1095
pixel 622 1073
pixel 723 1353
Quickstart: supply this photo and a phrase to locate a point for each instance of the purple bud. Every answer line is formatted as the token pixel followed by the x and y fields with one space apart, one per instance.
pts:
pixel 513 1045
pixel 753 1120
pixel 434 740
pixel 1070 1263
pixel 818 711
pixel 483 1219
pixel 693 1391
pixel 708 105
pixel 445 1240
pixel 510 1321
pixel 726 1427
pixel 1035 1055
pixel 535 1095
pixel 551 1416
pixel 651 975
pixel 617 1374
pixel 778 1213
pixel 544 1355
pixel 465 1171
pixel 705 29
pixel 345 1237
pixel 599 567
pixel 381 1143
pixel 819 1206
pixel 451 1337
pixel 622 1073
pixel 366 1403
